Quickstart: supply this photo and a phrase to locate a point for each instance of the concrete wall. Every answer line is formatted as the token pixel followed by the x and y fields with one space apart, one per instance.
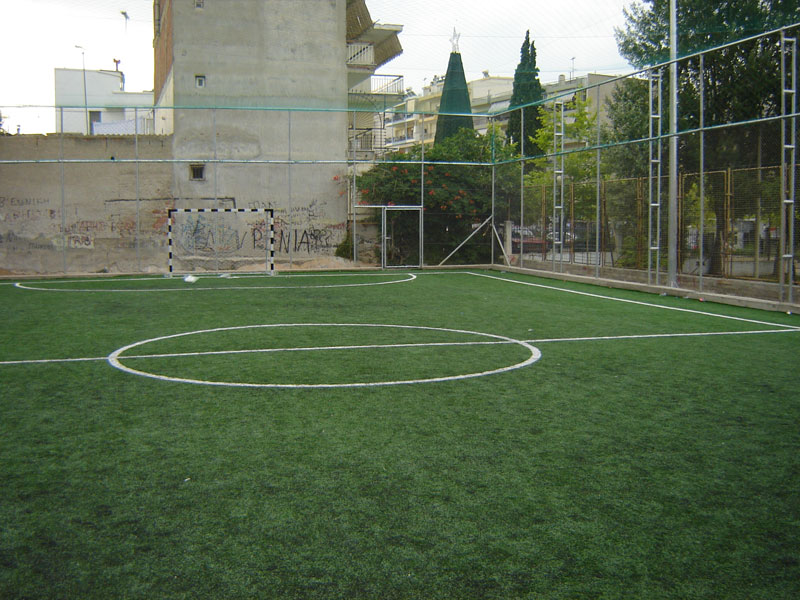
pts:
pixel 83 217
pixel 264 56
pixel 103 214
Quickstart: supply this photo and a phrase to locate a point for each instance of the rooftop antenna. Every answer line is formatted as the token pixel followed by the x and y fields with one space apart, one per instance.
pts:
pixel 572 69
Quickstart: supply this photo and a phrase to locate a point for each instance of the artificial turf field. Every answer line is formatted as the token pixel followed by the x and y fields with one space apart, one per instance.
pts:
pixel 506 437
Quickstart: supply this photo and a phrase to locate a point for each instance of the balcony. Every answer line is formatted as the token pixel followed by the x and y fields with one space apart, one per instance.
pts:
pixel 361 54
pixel 377 92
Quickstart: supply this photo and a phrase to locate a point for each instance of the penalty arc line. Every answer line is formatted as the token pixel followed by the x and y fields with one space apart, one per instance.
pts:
pixel 410 277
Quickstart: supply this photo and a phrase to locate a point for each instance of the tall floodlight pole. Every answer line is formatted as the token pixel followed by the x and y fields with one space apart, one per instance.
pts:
pixel 672 231
pixel 85 97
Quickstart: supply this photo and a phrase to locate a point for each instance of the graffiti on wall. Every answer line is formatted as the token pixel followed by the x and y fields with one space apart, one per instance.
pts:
pixel 220 234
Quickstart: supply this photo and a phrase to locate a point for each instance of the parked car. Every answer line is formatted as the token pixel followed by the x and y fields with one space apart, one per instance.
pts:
pixel 531 242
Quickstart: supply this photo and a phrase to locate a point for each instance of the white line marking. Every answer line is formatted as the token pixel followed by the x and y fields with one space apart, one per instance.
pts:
pixel 658 335
pixel 637 302
pixel 35 361
pixel 531 341
pixel 312 349
pixel 190 288
pixel 115 357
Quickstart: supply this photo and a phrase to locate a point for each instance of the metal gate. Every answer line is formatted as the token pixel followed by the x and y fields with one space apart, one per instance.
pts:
pixel 401 237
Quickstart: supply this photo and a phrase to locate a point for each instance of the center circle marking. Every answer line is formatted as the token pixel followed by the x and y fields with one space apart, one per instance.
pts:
pixel 115 358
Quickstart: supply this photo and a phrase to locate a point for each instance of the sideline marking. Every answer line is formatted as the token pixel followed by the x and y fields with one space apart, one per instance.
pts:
pixel 409 277
pixel 659 335
pixel 638 302
pixel 115 357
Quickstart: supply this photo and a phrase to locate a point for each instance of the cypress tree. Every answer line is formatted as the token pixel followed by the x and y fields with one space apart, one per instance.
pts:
pixel 526 89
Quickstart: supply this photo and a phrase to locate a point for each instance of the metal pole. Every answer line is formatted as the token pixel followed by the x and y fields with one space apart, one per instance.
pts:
pixel 422 205
pixel 383 237
pixel 85 95
pixel 672 231
pixel 290 219
pixel 494 191
pixel 63 196
pixel 354 237
pixel 216 201
pixel 598 214
pixel 702 169
pixel 521 185
pixel 138 220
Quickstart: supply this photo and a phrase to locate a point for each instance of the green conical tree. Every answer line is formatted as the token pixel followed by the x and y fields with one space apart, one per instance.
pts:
pixel 527 89
pixel 455 99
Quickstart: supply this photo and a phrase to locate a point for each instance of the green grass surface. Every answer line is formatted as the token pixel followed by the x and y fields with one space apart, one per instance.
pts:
pixel 636 467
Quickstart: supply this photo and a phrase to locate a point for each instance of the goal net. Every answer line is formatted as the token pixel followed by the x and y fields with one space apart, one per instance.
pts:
pixel 221 240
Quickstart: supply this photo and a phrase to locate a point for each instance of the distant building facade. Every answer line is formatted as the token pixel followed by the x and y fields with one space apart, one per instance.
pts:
pixel 96 103
pixel 414 119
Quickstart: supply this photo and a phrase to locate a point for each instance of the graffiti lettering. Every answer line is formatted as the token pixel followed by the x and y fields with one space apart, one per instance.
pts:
pixel 203 236
pixel 10 201
pixel 80 241
pixel 305 240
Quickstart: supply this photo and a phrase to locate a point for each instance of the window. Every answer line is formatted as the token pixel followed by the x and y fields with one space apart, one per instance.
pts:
pixel 197 172
pixel 199 81
pixel 95 116
pixel 199 3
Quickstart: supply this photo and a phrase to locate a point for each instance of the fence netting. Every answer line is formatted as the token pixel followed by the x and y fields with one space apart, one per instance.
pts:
pixel 589 191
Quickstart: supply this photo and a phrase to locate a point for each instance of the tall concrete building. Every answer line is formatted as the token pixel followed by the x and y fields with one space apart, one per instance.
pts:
pixel 248 87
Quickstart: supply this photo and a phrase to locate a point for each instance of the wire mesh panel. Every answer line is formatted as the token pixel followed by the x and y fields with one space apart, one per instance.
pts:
pixel 588 189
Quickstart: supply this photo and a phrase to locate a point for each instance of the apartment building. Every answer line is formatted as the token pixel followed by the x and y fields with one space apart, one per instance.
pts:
pixel 414 119
pixel 96 103
pixel 246 86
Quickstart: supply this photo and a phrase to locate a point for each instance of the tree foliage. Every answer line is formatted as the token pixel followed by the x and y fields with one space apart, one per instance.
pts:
pixel 527 90
pixel 739 83
pixel 456 196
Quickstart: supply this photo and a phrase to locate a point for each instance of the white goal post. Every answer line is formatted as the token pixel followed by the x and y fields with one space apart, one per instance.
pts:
pixel 220 239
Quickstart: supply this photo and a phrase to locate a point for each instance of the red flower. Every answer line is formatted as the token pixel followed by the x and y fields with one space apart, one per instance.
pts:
pixel 394 168
pixel 432 193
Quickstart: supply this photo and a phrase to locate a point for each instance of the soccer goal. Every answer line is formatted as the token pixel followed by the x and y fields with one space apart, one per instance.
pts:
pixel 221 239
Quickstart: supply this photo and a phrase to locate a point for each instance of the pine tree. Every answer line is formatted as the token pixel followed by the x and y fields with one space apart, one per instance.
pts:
pixel 527 90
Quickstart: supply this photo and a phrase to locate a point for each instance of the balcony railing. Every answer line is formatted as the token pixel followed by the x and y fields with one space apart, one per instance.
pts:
pixel 380 84
pixel 360 54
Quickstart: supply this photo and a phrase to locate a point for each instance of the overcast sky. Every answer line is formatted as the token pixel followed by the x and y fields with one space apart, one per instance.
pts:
pixel 41 35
